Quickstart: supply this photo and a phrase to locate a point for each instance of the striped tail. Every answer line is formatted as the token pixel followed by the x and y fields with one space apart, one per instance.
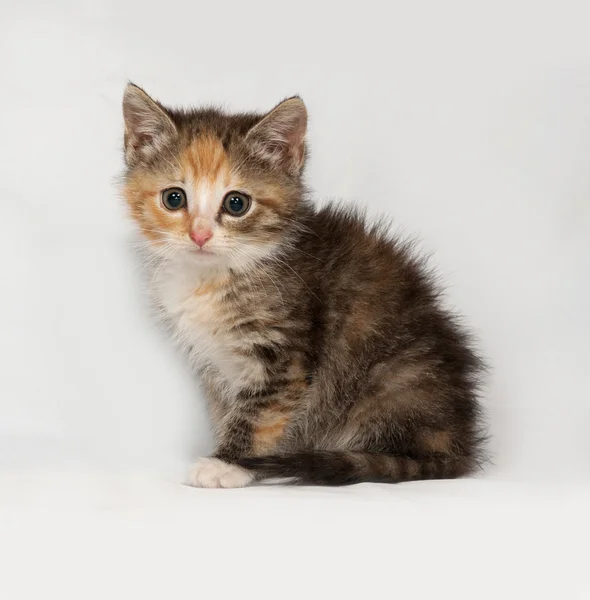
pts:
pixel 345 468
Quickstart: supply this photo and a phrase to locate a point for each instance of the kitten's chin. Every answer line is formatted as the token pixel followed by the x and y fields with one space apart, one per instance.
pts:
pixel 207 259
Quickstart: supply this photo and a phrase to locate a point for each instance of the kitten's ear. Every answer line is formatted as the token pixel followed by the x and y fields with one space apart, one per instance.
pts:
pixel 280 136
pixel 148 127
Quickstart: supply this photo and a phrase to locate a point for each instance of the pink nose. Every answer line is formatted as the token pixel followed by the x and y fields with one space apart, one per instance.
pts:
pixel 201 236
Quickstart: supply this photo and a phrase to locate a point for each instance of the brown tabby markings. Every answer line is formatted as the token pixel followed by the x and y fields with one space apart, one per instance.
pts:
pixel 412 469
pixel 325 354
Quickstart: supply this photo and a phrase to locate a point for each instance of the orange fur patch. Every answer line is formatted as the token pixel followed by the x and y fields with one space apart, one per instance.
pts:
pixel 437 441
pixel 206 159
pixel 270 428
pixel 143 192
pixel 212 285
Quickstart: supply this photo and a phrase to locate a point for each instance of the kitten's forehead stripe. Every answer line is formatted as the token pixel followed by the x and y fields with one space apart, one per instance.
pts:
pixel 207 159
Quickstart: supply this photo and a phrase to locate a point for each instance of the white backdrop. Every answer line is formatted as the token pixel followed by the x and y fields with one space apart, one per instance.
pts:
pixel 469 122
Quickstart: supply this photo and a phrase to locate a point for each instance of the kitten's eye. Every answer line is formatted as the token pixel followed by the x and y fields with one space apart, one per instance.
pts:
pixel 174 198
pixel 236 204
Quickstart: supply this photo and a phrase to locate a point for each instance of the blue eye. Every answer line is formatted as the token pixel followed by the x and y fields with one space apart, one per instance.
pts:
pixel 236 204
pixel 174 198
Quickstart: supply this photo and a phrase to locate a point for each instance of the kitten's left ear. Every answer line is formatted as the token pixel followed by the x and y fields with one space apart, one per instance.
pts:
pixel 280 136
pixel 148 127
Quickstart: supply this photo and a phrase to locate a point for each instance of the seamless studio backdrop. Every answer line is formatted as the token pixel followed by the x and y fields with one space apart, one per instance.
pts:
pixel 467 122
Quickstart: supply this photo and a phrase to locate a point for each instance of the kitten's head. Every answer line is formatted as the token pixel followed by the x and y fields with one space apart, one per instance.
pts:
pixel 220 189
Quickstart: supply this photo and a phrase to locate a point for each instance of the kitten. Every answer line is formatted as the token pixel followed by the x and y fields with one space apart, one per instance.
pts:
pixel 324 352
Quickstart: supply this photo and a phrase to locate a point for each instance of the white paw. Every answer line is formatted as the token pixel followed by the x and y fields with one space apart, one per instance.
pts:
pixel 214 473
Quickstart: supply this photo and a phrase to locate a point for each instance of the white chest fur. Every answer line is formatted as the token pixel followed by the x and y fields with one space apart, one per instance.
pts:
pixel 190 298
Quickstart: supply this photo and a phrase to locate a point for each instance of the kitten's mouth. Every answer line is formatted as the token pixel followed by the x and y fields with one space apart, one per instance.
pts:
pixel 202 252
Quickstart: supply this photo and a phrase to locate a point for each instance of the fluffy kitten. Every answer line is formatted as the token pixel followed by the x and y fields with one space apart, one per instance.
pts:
pixel 324 352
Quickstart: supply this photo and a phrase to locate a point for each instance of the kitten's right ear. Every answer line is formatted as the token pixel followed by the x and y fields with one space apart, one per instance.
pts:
pixel 148 127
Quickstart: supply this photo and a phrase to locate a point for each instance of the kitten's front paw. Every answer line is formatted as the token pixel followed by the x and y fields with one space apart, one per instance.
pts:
pixel 214 473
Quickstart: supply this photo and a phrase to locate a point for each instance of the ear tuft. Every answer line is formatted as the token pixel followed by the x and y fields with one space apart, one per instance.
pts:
pixel 280 136
pixel 148 127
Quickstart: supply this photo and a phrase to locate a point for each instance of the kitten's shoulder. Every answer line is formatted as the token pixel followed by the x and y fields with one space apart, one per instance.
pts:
pixel 370 252
pixel 349 227
pixel 336 216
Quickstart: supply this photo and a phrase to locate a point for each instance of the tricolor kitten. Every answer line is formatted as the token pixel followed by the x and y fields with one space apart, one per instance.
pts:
pixel 325 354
